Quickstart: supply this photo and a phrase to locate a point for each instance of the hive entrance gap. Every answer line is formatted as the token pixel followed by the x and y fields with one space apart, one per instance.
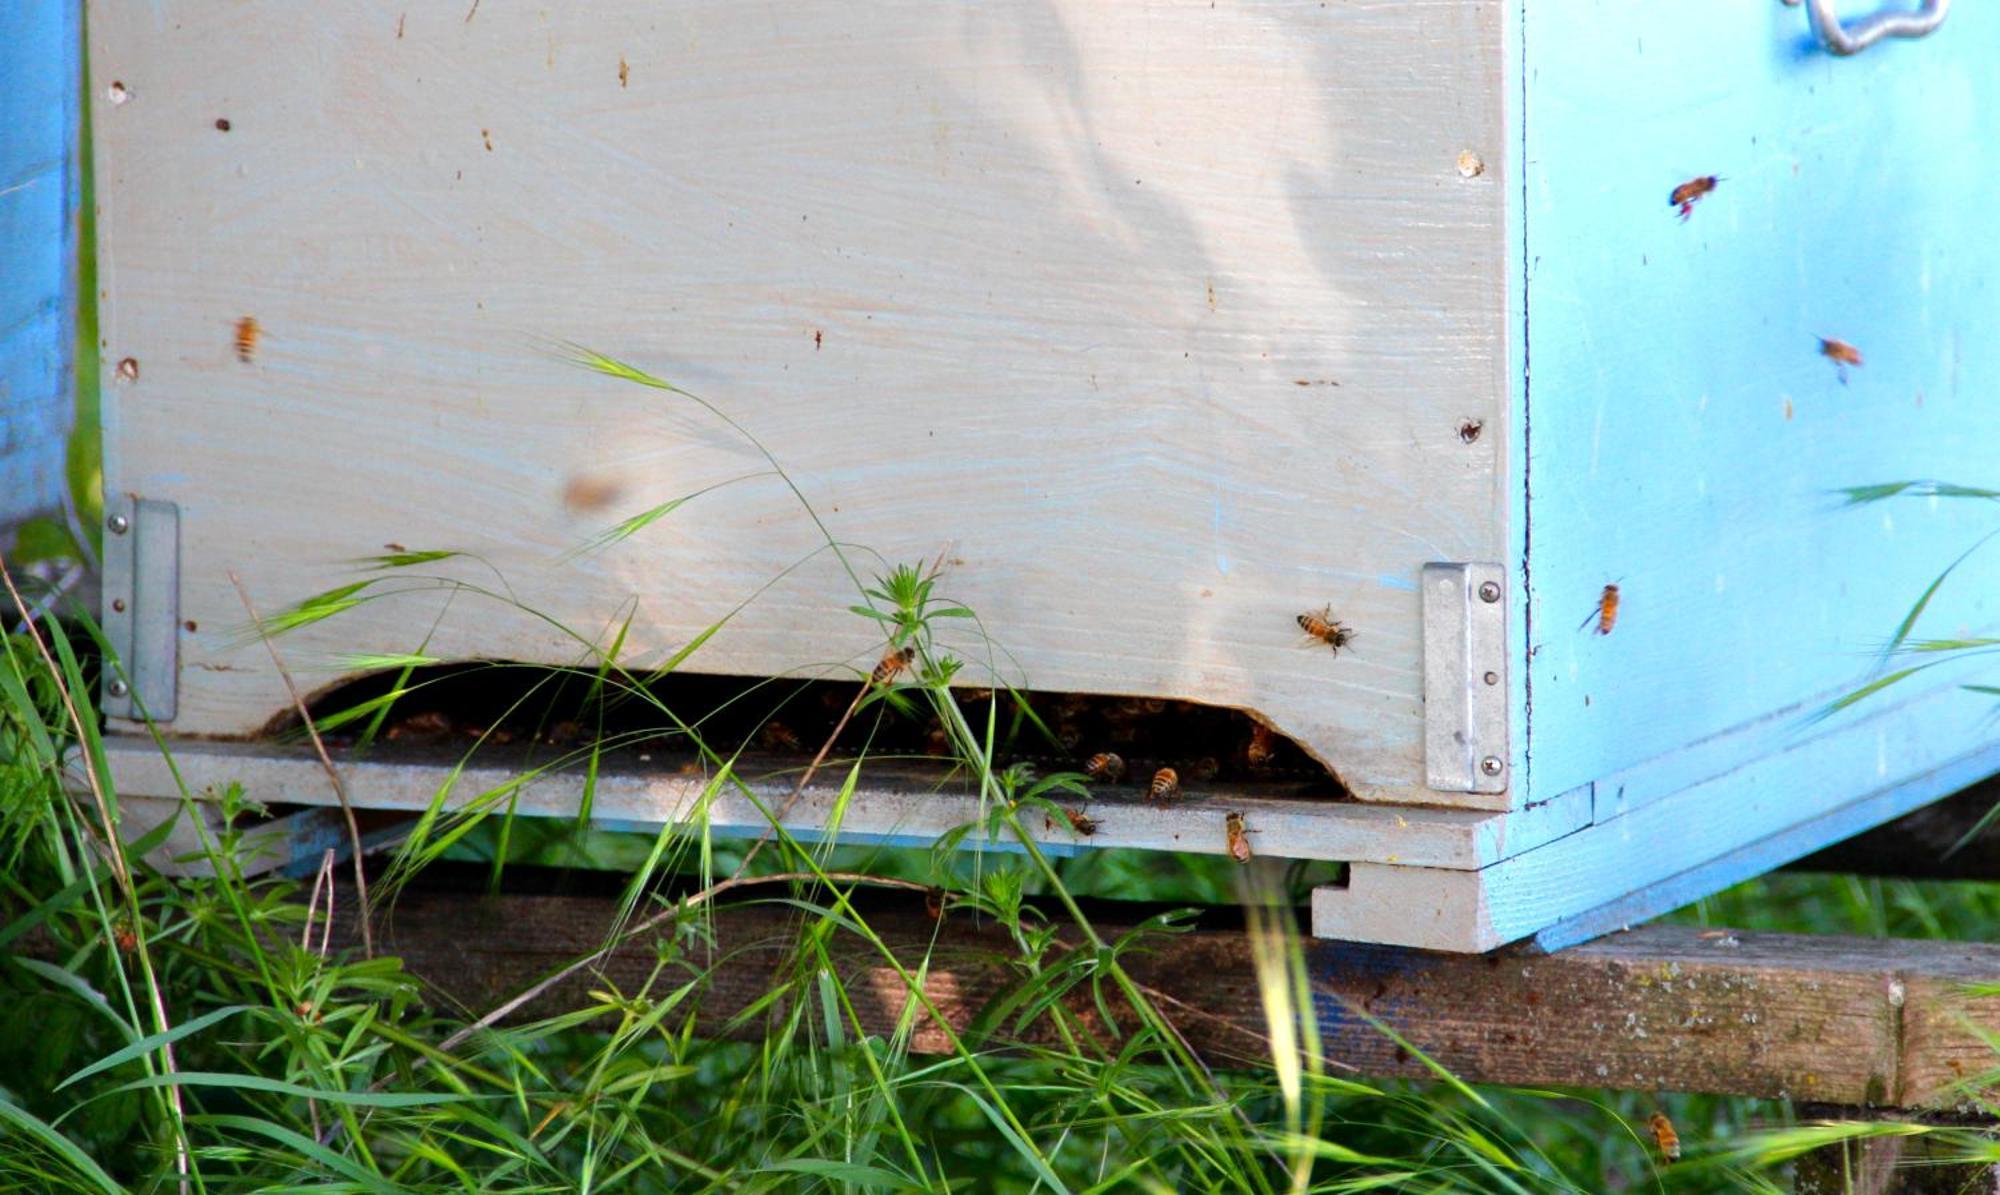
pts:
pixel 534 712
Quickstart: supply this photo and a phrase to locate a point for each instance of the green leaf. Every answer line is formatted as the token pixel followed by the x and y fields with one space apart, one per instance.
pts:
pixel 362 661
pixel 360 1099
pixel 405 559
pixel 147 1045
pixel 306 1147
pixel 31 1126
pixel 872 1178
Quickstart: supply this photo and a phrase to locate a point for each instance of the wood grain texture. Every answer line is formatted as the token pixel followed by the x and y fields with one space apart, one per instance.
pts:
pixel 906 806
pixel 1687 435
pixel 1664 1008
pixel 41 75
pixel 1165 318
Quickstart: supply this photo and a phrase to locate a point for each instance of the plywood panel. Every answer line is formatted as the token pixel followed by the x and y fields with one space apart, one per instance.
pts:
pixel 1687 435
pixel 1164 317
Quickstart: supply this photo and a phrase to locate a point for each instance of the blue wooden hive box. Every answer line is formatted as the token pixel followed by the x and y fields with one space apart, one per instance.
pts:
pixel 1450 320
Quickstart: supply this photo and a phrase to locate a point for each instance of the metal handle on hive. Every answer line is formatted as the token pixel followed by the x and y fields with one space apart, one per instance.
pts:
pixel 1844 40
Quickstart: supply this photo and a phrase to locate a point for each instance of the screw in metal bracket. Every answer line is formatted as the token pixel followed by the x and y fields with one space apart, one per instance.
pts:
pixel 1492 765
pixel 117 687
pixel 119 524
pixel 1489 592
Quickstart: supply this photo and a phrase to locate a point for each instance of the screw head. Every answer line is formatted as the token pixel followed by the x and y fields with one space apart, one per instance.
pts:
pixel 1489 591
pixel 119 524
pixel 117 687
pixel 1492 678
pixel 1492 765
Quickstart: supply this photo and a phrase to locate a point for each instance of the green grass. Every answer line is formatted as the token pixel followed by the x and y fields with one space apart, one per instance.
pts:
pixel 195 1034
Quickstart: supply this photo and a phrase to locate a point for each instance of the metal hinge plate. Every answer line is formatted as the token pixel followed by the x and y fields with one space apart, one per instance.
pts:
pixel 142 608
pixel 1466 747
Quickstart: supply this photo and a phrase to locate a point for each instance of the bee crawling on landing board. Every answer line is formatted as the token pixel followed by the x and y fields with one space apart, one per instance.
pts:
pixel 1327 629
pixel 1104 766
pixel 1239 838
pixel 1165 787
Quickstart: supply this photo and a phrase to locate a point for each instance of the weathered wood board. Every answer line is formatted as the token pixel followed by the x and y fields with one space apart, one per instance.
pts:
pixel 1667 1008
pixel 1166 320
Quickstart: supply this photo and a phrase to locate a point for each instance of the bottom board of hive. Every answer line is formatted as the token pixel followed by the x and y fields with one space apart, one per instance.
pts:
pixel 1592 860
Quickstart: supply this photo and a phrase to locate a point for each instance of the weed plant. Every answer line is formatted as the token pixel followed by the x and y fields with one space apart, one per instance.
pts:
pixel 202 1035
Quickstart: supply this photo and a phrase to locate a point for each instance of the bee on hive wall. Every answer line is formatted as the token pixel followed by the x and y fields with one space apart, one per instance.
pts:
pixel 1688 193
pixel 1605 615
pixel 1327 629
pixel 247 333
pixel 1842 354
pixel 1104 766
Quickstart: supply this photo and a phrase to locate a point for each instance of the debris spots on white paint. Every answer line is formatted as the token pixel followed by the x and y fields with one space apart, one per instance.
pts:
pixel 116 93
pixel 1470 165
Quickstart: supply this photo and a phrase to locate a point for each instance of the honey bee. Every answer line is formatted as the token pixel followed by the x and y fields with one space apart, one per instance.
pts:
pixel 1842 354
pixel 247 333
pixel 1239 838
pixel 1605 615
pixel 1165 787
pixel 1204 769
pixel 1664 1136
pixel 1325 628
pixel 1261 747
pixel 776 736
pixel 1085 826
pixel 1685 195
pixel 892 665
pixel 1104 766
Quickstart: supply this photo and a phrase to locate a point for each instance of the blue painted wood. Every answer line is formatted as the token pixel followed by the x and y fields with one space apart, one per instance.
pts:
pixel 40 99
pixel 1683 431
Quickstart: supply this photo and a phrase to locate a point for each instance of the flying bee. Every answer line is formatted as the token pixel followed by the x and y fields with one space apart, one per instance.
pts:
pixel 1104 766
pixel 1685 195
pixel 1165 787
pixel 1261 747
pixel 247 332
pixel 1665 1137
pixel 1842 354
pixel 1325 628
pixel 1239 838
pixel 585 492
pixel 1605 614
pixel 892 666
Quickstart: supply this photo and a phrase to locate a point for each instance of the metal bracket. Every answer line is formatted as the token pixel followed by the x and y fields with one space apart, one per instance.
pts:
pixel 1466 746
pixel 142 608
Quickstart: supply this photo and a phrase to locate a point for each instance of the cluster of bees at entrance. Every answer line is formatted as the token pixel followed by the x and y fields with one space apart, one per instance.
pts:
pixel 1164 787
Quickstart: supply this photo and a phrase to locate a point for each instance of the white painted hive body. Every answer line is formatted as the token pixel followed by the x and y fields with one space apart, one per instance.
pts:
pixel 1173 323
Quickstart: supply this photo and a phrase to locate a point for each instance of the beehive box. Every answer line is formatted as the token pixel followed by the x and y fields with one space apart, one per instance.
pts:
pixel 1172 321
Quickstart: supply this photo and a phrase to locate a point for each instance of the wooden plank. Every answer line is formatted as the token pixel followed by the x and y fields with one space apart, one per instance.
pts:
pixel 900 806
pixel 1687 435
pixel 1676 849
pixel 1165 318
pixel 1661 1008
pixel 41 83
